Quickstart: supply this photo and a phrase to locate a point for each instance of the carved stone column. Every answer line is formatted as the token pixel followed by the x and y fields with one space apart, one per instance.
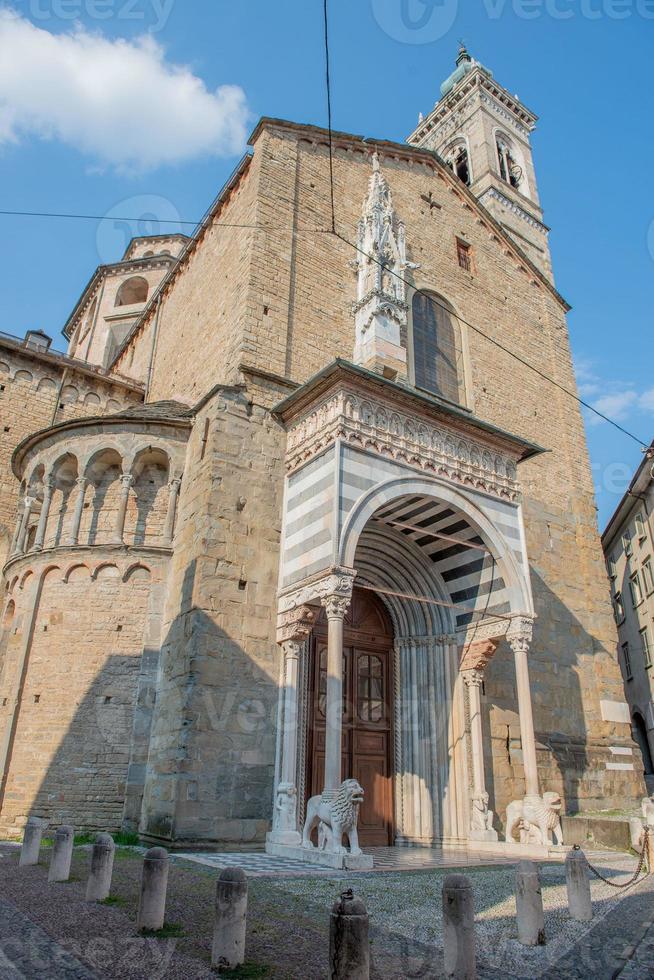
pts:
pixel 48 489
pixel 336 607
pixel 127 481
pixel 169 526
pixel 481 818
pixel 19 526
pixel 285 814
pixel 519 637
pixel 81 484
pixel 22 537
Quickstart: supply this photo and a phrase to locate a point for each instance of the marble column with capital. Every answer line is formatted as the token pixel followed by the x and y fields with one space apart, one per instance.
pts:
pixel 127 482
pixel 519 637
pixel 285 829
pixel 336 606
pixel 48 490
pixel 171 513
pixel 24 528
pixel 81 485
pixel 481 818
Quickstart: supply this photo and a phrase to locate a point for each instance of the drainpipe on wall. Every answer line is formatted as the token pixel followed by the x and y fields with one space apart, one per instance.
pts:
pixel 155 336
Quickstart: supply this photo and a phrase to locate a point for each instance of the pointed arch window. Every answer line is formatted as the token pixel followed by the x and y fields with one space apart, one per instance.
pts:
pixel 436 347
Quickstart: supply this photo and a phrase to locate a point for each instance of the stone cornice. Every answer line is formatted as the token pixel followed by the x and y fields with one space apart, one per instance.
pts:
pixel 515 208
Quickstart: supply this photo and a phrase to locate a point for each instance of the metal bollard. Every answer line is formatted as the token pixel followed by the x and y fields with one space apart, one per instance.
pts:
pixel 577 880
pixel 459 928
pixel 31 849
pixel 529 902
pixel 154 885
pixel 349 945
pixel 98 886
pixel 62 854
pixel 228 950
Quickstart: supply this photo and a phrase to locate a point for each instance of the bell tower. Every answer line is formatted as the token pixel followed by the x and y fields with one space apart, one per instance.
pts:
pixel 483 134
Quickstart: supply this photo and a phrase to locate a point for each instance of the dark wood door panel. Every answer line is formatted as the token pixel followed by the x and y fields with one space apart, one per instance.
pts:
pixel 367 714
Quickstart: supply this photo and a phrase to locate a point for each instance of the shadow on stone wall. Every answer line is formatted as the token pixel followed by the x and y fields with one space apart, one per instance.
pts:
pixel 568 761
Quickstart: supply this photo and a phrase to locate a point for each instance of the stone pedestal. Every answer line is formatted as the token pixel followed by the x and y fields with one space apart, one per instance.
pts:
pixel 328 859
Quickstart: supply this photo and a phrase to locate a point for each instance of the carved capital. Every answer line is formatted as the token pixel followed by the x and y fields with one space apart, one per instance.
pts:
pixel 473 678
pixel 174 486
pixel 127 480
pixel 291 649
pixel 336 606
pixel 295 625
pixel 520 633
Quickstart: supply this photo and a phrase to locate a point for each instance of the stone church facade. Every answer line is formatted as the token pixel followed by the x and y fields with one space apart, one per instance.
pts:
pixel 293 509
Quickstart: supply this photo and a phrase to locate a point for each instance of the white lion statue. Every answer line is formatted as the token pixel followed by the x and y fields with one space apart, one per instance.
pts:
pixel 336 816
pixel 536 818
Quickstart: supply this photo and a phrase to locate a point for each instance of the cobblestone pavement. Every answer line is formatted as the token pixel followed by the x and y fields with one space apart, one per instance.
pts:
pixel 288 924
pixel 29 953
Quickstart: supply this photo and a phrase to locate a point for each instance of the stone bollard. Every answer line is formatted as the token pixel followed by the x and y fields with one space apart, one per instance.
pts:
pixel 31 849
pixel 154 884
pixel 577 882
pixel 62 854
pixel 98 886
pixel 349 945
pixel 459 928
pixel 228 950
pixel 529 902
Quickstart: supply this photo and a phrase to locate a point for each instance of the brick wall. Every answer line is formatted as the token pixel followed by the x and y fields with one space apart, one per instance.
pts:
pixel 73 739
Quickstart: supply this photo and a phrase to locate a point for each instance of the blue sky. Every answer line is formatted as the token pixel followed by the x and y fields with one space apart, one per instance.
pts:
pixel 175 85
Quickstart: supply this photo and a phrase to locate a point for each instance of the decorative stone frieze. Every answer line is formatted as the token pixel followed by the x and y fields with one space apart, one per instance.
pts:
pixel 409 438
pixel 338 583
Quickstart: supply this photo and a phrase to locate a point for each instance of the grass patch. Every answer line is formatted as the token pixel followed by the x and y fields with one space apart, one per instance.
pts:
pixel 126 839
pixel 114 901
pixel 171 930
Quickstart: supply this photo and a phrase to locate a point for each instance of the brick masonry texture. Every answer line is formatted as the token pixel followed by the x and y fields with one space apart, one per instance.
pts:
pixel 276 300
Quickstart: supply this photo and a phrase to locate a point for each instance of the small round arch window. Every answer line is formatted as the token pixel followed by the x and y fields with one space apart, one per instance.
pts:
pixel 133 291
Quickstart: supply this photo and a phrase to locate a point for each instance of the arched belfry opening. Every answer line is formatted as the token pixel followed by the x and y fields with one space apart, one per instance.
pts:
pixel 403 568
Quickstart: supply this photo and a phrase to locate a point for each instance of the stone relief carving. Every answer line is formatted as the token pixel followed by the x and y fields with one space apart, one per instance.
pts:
pixel 481 818
pixel 285 815
pixel 372 425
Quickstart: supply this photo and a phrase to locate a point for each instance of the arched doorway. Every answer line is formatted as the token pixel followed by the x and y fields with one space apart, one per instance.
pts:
pixel 367 713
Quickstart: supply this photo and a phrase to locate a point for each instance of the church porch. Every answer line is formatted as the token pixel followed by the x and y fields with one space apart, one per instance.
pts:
pixel 411 501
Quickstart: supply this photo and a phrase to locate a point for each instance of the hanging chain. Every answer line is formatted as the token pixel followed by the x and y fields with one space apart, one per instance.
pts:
pixel 641 861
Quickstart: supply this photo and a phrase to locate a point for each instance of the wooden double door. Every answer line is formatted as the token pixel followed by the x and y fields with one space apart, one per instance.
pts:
pixel 367 713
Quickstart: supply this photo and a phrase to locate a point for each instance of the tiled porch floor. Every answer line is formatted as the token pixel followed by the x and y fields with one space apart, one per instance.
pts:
pixel 259 865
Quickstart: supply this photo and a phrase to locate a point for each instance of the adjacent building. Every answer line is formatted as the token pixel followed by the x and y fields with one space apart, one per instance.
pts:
pixel 628 544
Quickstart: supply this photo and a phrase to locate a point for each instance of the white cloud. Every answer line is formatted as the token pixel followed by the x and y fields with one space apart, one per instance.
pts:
pixel 616 406
pixel 120 102
pixel 647 400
